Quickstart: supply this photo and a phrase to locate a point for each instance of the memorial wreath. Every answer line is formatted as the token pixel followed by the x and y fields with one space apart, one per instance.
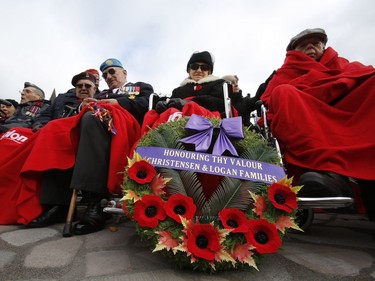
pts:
pixel 246 214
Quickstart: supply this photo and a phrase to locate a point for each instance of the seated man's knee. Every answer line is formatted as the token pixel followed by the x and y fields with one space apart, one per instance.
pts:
pixel 282 93
pixel 89 121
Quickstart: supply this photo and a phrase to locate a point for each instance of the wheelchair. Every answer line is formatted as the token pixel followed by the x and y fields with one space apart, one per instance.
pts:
pixel 308 206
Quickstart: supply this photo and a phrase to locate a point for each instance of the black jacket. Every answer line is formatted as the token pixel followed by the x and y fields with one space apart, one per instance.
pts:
pixel 137 104
pixel 65 105
pixel 27 115
pixel 208 92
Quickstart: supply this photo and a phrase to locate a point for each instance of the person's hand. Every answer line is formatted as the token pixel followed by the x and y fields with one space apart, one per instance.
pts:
pixel 177 103
pixel 36 127
pixel 161 106
pixel 86 101
pixel 108 101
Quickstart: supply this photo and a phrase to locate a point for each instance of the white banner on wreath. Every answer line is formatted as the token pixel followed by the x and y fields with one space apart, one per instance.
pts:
pixel 241 168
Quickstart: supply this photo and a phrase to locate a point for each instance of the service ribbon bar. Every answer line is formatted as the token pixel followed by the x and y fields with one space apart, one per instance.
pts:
pixel 240 168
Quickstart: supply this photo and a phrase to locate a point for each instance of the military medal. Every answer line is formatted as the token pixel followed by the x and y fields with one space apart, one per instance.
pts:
pixel 131 91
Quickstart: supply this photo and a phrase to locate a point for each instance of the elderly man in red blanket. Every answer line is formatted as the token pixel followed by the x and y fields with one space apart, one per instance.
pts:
pixel 85 152
pixel 321 108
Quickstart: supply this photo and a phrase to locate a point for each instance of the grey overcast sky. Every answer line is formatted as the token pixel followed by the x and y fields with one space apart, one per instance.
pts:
pixel 47 42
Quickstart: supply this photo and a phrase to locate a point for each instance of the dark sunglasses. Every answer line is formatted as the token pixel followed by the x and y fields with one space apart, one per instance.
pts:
pixel 110 71
pixel 196 66
pixel 87 86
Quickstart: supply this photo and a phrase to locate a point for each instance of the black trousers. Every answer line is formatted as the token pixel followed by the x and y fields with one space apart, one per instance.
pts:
pixel 90 172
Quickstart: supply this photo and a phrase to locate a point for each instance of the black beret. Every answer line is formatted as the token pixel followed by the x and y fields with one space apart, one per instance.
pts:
pixel 83 75
pixel 9 102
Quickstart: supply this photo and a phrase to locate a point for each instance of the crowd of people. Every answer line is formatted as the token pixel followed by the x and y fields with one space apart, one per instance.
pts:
pixel 319 109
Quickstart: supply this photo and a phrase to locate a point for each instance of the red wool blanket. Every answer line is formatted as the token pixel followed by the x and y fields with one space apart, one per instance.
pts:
pixel 15 146
pixel 153 119
pixel 322 114
pixel 54 147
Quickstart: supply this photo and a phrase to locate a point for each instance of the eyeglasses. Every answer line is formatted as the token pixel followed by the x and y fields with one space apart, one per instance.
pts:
pixel 110 71
pixel 87 86
pixel 27 91
pixel 196 66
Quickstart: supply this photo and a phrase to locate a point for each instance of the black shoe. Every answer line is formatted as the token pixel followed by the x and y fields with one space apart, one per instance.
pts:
pixel 368 197
pixel 324 185
pixel 53 215
pixel 92 221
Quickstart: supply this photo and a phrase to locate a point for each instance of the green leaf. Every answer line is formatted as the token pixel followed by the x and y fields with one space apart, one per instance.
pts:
pixel 186 183
pixel 261 152
pixel 231 193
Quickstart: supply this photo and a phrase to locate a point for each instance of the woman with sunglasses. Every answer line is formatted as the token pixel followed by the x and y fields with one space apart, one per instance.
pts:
pixel 201 89
pixel 200 86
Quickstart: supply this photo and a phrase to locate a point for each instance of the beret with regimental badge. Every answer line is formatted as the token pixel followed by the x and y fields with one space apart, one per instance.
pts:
pixel 83 76
pixel 110 63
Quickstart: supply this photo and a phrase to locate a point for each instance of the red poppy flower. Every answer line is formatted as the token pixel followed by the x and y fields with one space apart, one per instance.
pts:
pixel 234 219
pixel 203 241
pixel 282 197
pixel 263 235
pixel 182 205
pixel 142 172
pixel 149 210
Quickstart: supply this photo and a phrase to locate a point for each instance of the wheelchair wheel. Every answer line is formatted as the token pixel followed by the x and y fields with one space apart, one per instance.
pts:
pixel 304 218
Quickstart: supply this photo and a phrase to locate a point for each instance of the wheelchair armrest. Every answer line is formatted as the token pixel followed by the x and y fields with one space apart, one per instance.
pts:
pixel 258 106
pixel 154 98
pixel 227 89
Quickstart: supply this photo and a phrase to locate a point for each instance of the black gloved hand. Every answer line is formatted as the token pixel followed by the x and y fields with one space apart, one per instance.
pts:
pixel 177 103
pixel 161 106
pixel 37 126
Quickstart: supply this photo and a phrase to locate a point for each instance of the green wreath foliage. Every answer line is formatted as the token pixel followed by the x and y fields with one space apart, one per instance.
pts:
pixel 246 196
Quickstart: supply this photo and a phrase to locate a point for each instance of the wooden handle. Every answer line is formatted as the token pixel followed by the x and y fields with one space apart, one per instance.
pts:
pixel 67 231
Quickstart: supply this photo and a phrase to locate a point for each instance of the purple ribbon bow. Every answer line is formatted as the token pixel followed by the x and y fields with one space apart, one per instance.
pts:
pixel 229 127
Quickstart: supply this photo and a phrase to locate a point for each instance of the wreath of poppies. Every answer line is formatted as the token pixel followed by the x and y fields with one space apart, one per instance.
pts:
pixel 230 230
